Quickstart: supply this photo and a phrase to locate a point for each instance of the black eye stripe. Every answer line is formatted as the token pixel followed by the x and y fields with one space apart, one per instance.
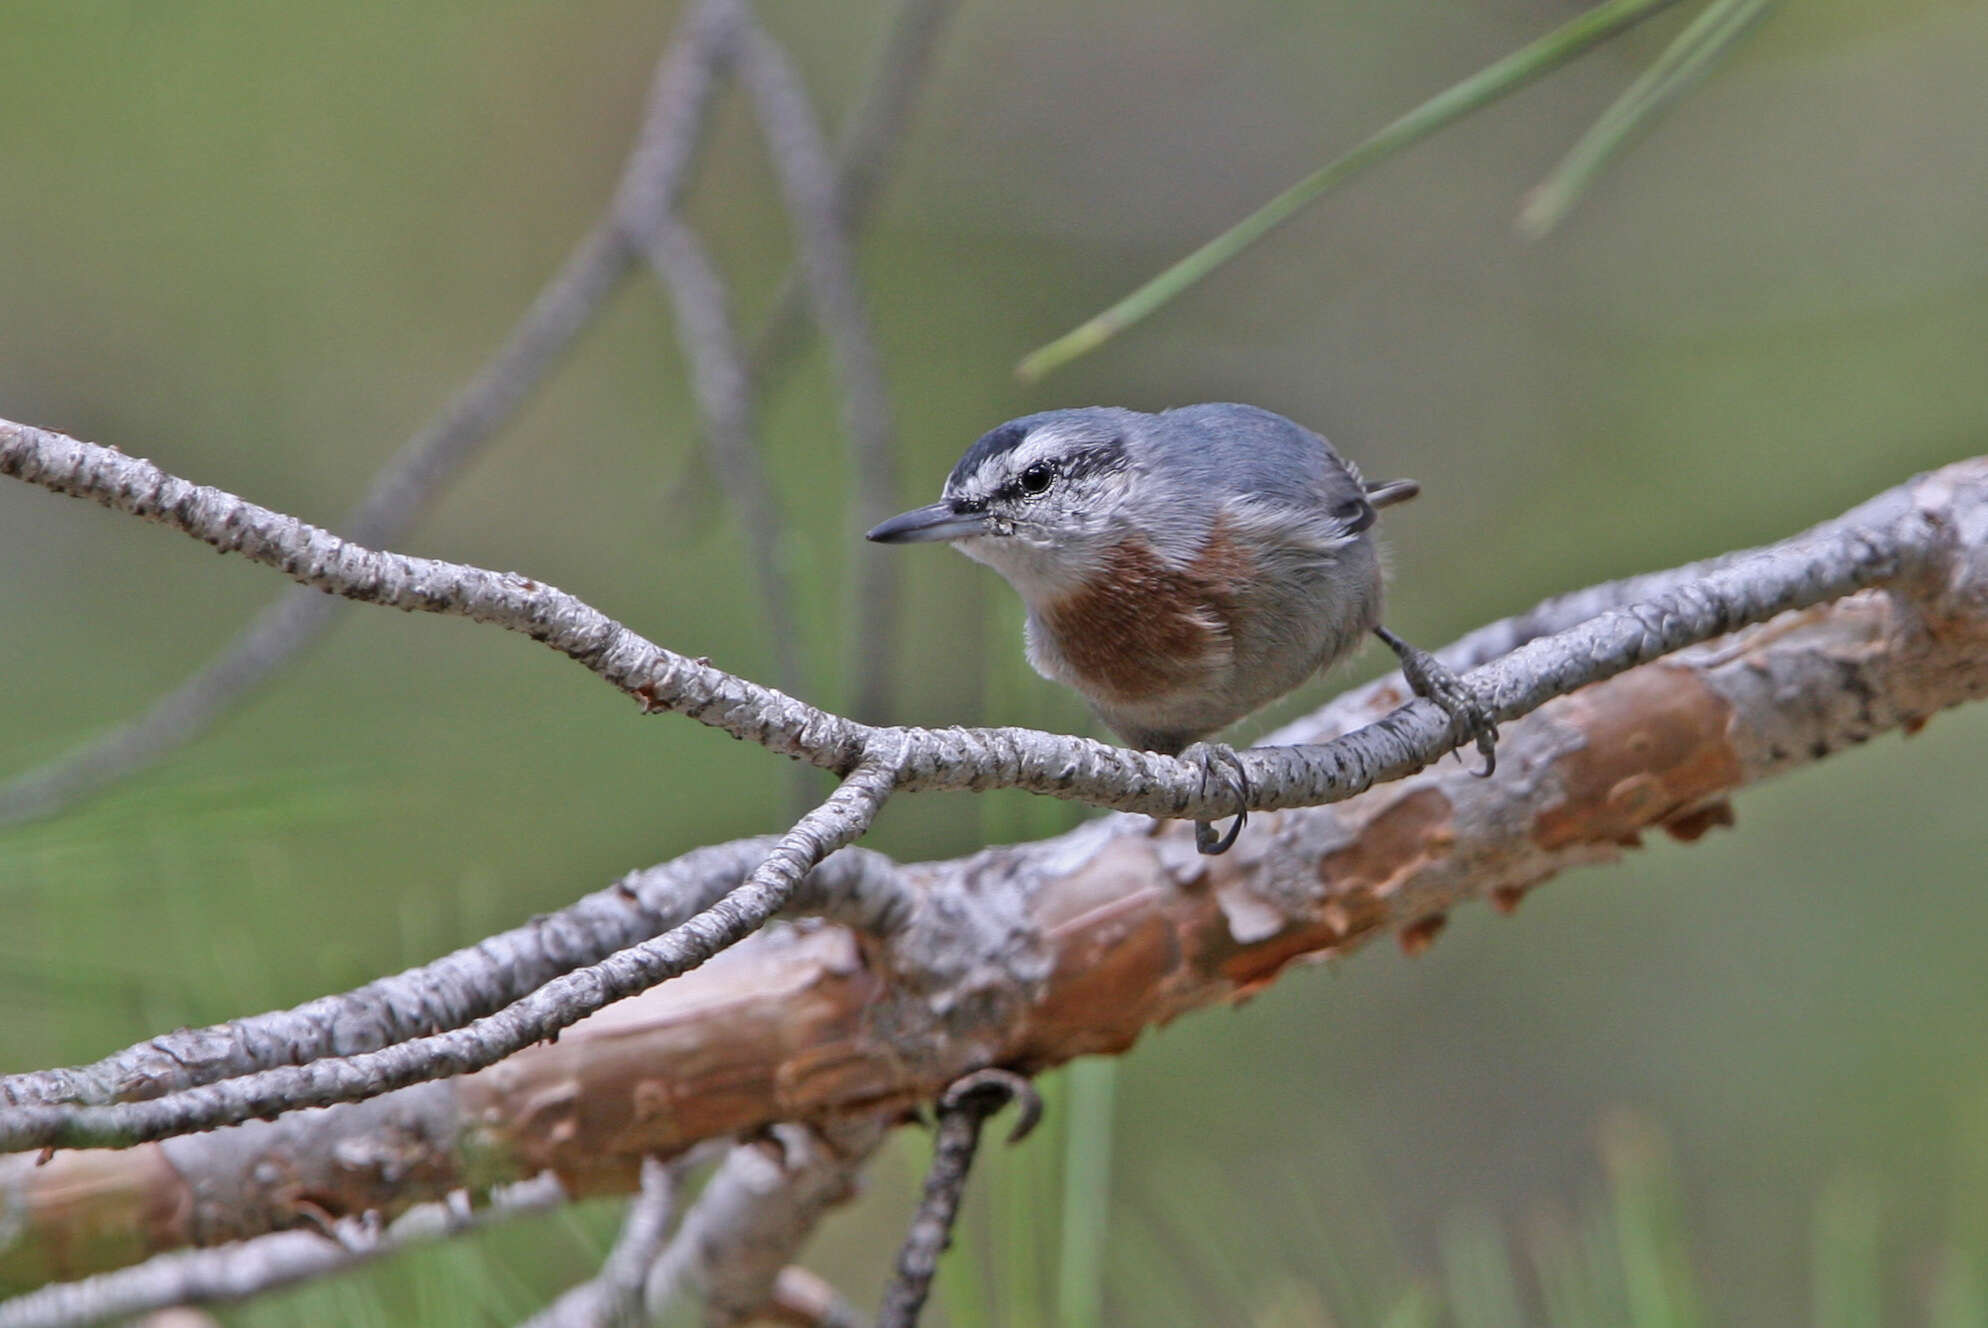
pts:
pixel 1089 461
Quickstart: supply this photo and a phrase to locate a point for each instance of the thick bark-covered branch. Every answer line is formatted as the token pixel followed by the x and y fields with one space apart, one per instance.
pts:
pixel 1883 540
pixel 1028 955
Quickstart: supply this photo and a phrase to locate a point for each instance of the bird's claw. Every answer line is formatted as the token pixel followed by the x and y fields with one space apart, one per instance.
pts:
pixel 1429 678
pixel 1208 755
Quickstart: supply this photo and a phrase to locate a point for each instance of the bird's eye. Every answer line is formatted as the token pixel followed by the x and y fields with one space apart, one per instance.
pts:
pixel 1037 477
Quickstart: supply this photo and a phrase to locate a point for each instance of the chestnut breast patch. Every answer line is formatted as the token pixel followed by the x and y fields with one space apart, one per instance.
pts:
pixel 1142 627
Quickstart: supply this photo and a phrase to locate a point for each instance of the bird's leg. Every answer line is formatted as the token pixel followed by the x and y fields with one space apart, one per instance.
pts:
pixel 1429 678
pixel 1208 755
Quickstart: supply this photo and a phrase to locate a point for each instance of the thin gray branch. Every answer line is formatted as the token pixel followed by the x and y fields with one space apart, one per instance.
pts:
pixel 806 172
pixel 855 887
pixel 762 1203
pixel 251 1268
pixel 613 1299
pixel 417 474
pixel 556 1005
pixel 1879 542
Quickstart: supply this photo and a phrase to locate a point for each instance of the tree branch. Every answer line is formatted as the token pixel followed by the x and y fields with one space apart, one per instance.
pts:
pixel 869 150
pixel 724 406
pixel 854 887
pixel 1029 955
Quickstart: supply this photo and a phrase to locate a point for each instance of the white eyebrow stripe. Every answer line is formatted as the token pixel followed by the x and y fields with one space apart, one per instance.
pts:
pixel 1048 443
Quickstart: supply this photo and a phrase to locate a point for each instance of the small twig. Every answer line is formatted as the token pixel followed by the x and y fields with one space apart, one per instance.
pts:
pixel 868 153
pixel 417 474
pixel 760 1206
pixel 963 1109
pixel 558 1004
pixel 806 173
pixel 613 1299
pixel 251 1268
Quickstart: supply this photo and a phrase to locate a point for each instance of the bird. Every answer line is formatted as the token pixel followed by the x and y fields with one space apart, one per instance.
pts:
pixel 1181 569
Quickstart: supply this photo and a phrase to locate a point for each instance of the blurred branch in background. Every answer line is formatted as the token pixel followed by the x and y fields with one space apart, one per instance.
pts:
pixel 647 194
pixel 737 1241
pixel 614 1296
pixel 414 478
pixel 1721 25
pixel 828 270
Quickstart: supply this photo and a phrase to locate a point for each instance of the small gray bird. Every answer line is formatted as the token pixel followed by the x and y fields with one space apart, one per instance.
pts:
pixel 1183 569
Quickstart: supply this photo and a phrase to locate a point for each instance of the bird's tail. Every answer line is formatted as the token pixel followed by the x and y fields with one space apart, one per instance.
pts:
pixel 1386 493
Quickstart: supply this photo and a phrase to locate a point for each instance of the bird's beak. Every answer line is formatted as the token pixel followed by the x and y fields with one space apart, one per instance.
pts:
pixel 930 523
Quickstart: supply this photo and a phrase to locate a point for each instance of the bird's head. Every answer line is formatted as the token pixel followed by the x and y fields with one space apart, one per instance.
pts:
pixel 1042 499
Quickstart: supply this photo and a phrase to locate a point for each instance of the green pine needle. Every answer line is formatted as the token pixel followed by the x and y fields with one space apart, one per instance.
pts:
pixel 1715 31
pixel 1487 85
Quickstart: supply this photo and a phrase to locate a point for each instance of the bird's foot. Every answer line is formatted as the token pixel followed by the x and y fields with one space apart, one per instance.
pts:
pixel 1209 756
pixel 1431 679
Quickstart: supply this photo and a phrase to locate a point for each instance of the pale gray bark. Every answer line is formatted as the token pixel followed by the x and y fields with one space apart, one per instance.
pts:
pixel 854 887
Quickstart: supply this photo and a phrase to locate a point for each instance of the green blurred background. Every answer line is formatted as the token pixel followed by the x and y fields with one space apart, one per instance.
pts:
pixel 260 244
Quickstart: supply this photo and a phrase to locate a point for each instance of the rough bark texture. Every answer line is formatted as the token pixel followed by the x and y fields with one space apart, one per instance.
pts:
pixel 1028 955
